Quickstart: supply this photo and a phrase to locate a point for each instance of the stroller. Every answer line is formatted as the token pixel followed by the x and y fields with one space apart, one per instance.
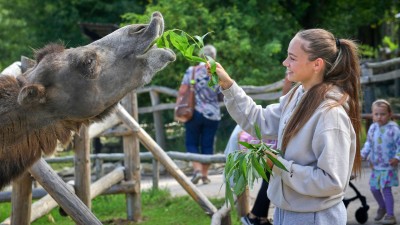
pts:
pixel 362 212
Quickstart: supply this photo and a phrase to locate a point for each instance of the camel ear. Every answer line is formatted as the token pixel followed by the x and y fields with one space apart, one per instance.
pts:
pixel 32 94
pixel 27 63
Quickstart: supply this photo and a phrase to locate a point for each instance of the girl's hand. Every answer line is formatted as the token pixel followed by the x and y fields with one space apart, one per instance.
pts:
pixel 393 162
pixel 224 80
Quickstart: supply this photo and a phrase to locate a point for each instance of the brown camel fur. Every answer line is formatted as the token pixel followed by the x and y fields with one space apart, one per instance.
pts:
pixel 66 88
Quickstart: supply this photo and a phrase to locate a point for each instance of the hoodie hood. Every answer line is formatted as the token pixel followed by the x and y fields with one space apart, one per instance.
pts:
pixel 336 94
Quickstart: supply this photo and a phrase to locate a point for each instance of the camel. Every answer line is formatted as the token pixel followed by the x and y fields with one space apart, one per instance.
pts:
pixel 66 88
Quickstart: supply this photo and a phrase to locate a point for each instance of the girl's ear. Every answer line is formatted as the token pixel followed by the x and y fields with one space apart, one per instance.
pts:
pixel 319 65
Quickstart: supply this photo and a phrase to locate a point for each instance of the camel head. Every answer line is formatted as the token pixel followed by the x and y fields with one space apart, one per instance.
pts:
pixel 81 83
pixel 65 88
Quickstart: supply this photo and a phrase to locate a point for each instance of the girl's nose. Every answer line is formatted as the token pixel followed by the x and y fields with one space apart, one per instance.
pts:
pixel 284 63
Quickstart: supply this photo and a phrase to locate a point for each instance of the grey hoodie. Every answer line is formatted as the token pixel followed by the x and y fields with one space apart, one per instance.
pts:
pixel 319 158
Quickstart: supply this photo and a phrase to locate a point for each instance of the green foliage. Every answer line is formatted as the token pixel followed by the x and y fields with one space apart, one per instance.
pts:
pixel 182 42
pixel 251 36
pixel 247 43
pixel 245 167
pixel 390 44
pixel 367 51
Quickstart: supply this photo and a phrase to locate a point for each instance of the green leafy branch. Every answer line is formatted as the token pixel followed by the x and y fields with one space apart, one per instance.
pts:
pixel 187 45
pixel 244 167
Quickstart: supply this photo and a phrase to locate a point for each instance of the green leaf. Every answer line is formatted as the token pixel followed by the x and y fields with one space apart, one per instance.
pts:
pixel 213 64
pixel 230 169
pixel 228 165
pixel 243 165
pixel 240 185
pixel 214 77
pixel 250 176
pixel 229 195
pixel 199 39
pixel 195 59
pixel 258 132
pixel 179 42
pixel 268 148
pixel 276 162
pixel 204 36
pixel 265 165
pixel 260 170
pixel 189 51
pixel 160 43
pixel 245 144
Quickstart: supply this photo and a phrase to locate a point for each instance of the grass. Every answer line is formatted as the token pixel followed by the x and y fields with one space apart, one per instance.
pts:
pixel 158 207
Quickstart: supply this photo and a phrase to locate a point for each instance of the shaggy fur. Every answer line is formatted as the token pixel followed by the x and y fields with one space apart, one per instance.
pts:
pixel 20 144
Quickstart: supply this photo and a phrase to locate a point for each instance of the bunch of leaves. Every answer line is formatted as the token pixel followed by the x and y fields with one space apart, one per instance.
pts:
pixel 244 167
pixel 188 46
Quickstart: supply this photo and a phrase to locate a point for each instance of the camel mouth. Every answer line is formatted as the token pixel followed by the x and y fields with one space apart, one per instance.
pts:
pixel 152 46
pixel 169 53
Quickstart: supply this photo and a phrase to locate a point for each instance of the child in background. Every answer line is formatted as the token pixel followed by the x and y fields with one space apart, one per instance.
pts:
pixel 382 148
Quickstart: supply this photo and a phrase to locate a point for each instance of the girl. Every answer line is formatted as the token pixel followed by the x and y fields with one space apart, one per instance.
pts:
pixel 316 124
pixel 383 148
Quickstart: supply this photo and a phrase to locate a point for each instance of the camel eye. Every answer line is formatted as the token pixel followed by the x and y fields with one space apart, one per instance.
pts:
pixel 88 67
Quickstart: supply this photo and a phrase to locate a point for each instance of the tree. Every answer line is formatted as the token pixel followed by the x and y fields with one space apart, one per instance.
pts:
pixel 252 36
pixel 249 44
pixel 31 24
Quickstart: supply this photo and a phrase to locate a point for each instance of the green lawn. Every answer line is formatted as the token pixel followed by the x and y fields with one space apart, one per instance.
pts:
pixel 158 207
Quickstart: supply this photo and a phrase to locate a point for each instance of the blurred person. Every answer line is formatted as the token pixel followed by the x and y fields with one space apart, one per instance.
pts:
pixel 200 131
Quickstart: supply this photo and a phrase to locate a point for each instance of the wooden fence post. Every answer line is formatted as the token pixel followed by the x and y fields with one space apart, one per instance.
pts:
pixel 132 163
pixel 82 165
pixel 21 200
pixel 160 137
pixel 99 168
pixel 368 93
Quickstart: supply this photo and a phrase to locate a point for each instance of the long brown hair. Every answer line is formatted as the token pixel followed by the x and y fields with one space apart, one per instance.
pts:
pixel 343 70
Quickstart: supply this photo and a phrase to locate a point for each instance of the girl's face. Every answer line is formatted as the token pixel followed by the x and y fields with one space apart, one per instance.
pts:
pixel 299 68
pixel 381 115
